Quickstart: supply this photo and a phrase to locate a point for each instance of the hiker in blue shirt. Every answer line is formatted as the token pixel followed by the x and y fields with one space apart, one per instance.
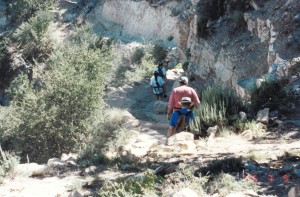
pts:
pixel 162 71
pixel 181 119
pixel 157 86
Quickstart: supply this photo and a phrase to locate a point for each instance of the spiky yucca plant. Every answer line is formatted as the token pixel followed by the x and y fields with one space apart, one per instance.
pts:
pixel 217 104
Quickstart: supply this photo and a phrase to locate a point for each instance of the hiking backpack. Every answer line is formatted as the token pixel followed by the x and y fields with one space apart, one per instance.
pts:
pixel 157 85
pixel 182 123
pixel 160 72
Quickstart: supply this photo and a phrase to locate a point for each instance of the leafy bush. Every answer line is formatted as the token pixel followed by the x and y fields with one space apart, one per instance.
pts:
pixel 56 118
pixel 269 94
pixel 140 72
pixel 137 55
pixel 108 138
pixel 217 166
pixel 217 105
pixel 33 37
pixel 184 178
pixel 224 184
pixel 159 52
pixel 5 62
pixel 21 10
pixel 135 186
pixel 8 161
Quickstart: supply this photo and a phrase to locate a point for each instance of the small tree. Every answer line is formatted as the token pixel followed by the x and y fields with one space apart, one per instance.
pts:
pixel 269 94
pixel 33 36
pixel 159 53
pixel 21 10
pixel 55 118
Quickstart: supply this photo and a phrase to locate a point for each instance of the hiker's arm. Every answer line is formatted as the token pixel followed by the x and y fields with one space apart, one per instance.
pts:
pixel 195 99
pixel 171 102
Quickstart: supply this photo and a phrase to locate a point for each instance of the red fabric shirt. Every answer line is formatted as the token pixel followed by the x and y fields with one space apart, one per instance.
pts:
pixel 180 92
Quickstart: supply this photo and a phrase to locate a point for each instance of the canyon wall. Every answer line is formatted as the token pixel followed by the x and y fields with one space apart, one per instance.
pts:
pixel 225 57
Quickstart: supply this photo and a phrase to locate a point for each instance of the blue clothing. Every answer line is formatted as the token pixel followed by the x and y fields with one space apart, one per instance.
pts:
pixel 163 71
pixel 175 117
pixel 157 85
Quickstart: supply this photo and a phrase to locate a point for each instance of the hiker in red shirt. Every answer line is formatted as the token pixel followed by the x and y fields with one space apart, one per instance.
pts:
pixel 182 91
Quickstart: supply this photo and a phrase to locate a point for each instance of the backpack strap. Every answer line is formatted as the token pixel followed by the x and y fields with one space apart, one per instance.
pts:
pixel 160 71
pixel 157 84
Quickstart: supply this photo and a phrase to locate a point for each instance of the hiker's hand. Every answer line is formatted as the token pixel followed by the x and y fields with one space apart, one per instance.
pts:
pixel 169 116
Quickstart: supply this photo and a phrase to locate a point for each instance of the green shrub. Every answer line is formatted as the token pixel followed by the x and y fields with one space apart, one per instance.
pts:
pixel 159 53
pixel 136 186
pixel 34 38
pixel 225 184
pixel 217 105
pixel 5 62
pixel 137 55
pixel 21 10
pixel 8 161
pixel 56 118
pixel 184 178
pixel 225 165
pixel 269 94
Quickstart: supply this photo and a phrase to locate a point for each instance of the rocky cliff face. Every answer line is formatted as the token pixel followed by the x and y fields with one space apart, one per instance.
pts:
pixel 236 47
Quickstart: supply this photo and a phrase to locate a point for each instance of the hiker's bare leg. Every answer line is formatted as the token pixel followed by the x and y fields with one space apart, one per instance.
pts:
pixel 160 96
pixel 157 96
pixel 170 131
pixel 164 90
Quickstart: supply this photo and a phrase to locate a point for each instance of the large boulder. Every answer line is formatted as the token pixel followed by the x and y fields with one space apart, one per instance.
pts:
pixel 31 169
pixel 263 116
pixel 54 162
pixel 160 107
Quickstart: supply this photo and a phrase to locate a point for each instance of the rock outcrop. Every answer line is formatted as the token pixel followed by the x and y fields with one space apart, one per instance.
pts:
pixel 237 51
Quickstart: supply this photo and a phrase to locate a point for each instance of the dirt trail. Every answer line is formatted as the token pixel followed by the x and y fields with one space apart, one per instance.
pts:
pixel 139 101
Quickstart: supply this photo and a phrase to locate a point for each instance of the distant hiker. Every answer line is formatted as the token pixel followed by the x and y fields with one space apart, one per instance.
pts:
pixel 157 85
pixel 163 74
pixel 178 93
pixel 181 119
pixel 161 71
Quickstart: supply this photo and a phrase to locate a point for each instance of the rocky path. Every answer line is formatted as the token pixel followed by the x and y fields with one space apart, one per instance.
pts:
pixel 139 101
